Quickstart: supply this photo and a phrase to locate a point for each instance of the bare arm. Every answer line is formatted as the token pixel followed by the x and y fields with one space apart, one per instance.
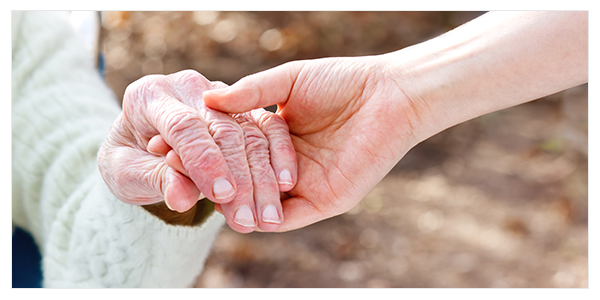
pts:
pixel 493 62
pixel 352 119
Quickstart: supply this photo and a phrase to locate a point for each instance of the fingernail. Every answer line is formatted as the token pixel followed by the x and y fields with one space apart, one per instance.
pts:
pixel 244 217
pixel 270 215
pixel 167 201
pixel 285 177
pixel 223 189
pixel 169 206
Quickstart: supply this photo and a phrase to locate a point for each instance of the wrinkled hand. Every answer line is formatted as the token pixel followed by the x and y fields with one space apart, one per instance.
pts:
pixel 166 145
pixel 350 124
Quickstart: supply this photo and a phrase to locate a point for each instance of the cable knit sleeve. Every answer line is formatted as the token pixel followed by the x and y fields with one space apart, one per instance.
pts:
pixel 61 113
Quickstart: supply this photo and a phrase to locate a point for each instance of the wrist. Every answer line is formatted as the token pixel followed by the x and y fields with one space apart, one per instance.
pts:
pixel 409 75
pixel 193 216
pixel 442 79
pixel 421 78
pixel 493 62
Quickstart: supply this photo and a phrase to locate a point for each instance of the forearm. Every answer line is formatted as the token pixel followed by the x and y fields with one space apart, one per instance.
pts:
pixel 496 61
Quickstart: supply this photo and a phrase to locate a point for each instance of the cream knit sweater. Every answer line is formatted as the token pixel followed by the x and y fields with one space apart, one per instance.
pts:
pixel 61 113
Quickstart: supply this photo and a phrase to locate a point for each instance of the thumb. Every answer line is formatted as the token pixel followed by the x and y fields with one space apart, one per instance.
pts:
pixel 181 193
pixel 259 90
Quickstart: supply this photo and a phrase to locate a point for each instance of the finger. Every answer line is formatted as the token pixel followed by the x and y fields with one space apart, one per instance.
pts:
pixel 283 156
pixel 281 149
pixel 300 212
pixel 266 189
pixel 218 208
pixel 175 162
pixel 184 130
pixel 259 90
pixel 181 193
pixel 229 137
pixel 143 179
pixel 158 146
pixel 241 211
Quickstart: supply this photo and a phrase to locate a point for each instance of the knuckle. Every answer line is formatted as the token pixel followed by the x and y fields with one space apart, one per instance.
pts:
pixel 137 180
pixel 154 177
pixel 182 124
pixel 191 79
pixel 272 122
pixel 188 74
pixel 209 159
pixel 284 150
pixel 244 186
pixel 145 84
pixel 223 132
pixel 143 89
pixel 264 178
pixel 256 143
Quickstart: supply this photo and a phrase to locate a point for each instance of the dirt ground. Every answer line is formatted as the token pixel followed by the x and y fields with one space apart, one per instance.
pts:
pixel 499 201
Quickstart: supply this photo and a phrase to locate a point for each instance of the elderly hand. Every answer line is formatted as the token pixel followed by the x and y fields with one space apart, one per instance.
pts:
pixel 166 145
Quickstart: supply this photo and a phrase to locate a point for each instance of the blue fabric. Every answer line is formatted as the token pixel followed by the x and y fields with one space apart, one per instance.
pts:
pixel 26 257
pixel 26 261
pixel 101 67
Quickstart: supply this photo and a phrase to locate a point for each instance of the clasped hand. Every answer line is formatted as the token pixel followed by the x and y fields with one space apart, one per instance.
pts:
pixel 342 124
pixel 166 145
pixel 349 120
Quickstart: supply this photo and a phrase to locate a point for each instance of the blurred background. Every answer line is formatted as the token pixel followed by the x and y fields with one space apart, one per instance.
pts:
pixel 499 201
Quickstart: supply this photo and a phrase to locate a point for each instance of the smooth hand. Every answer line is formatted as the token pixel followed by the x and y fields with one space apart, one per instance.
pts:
pixel 352 119
pixel 350 124
pixel 166 145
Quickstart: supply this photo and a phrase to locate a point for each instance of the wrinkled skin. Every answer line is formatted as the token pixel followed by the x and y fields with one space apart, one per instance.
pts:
pixel 166 145
pixel 350 124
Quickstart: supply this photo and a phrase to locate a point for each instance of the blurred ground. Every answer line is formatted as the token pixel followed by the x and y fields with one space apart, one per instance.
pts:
pixel 499 201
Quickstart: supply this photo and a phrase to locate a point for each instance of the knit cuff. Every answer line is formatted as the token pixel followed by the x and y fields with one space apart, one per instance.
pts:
pixel 114 244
